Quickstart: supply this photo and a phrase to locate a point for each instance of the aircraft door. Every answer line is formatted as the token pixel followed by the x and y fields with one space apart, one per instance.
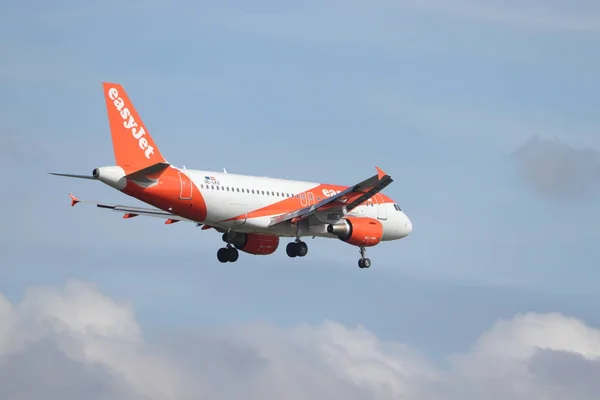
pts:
pixel 186 187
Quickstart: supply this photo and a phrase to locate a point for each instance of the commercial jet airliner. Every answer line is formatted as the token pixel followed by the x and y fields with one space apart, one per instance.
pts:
pixel 252 213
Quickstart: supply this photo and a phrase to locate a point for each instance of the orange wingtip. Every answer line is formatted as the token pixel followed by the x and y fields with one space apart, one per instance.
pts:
pixel 380 173
pixel 74 200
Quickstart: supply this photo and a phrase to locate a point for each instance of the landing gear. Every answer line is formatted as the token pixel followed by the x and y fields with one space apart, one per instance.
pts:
pixel 363 262
pixel 228 254
pixel 296 249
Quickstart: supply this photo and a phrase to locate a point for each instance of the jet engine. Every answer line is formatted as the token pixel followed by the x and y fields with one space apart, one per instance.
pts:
pixel 357 231
pixel 253 243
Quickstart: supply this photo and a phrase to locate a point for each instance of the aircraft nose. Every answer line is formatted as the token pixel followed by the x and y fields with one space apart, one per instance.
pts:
pixel 407 224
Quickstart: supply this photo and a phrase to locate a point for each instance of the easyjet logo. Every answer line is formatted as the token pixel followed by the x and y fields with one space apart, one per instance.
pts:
pixel 130 123
pixel 329 193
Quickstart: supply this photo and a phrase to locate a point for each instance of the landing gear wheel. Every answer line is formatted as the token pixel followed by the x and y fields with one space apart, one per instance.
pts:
pixel 223 255
pixel 296 249
pixel 232 254
pixel 301 248
pixel 228 254
pixel 291 249
pixel 363 262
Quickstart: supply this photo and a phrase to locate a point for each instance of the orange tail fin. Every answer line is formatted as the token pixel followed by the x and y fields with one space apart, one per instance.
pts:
pixel 133 146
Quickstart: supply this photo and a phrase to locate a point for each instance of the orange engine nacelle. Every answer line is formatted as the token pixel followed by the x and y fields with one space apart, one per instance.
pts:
pixel 254 243
pixel 357 231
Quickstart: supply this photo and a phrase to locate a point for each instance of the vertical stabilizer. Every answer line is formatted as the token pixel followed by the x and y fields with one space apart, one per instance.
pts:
pixel 133 146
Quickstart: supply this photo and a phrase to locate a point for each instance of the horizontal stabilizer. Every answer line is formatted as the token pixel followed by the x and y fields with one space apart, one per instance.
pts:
pixel 130 212
pixel 143 173
pixel 73 175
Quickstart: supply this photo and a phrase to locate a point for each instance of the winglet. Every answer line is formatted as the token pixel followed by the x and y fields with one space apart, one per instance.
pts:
pixel 380 173
pixel 74 200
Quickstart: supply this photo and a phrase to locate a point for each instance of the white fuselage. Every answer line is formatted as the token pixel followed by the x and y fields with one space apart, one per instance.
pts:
pixel 253 200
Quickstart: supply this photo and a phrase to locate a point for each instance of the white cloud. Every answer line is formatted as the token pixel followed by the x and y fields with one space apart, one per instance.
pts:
pixel 73 341
pixel 90 329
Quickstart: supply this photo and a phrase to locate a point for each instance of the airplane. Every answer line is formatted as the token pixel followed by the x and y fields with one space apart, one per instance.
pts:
pixel 251 212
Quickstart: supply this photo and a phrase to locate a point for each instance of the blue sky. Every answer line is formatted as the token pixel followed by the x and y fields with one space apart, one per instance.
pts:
pixel 441 95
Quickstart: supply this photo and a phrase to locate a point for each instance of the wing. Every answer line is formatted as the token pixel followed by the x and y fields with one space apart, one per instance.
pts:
pixel 130 212
pixel 346 200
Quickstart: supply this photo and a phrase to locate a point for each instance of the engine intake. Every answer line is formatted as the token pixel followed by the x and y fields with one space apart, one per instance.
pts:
pixel 357 231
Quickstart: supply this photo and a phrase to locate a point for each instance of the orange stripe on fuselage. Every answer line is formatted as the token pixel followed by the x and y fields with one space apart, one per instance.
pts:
pixel 167 194
pixel 294 203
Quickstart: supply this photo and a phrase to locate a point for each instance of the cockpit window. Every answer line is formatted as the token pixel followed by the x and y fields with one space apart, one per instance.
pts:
pixel 397 207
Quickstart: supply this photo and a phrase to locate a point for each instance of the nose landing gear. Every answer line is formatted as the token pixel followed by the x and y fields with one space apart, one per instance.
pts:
pixel 363 262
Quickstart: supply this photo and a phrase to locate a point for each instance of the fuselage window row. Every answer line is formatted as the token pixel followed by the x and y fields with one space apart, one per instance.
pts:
pixel 253 191
pixel 277 194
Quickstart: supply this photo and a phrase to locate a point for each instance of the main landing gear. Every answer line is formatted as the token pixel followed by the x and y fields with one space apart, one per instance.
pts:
pixel 363 262
pixel 298 248
pixel 228 253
